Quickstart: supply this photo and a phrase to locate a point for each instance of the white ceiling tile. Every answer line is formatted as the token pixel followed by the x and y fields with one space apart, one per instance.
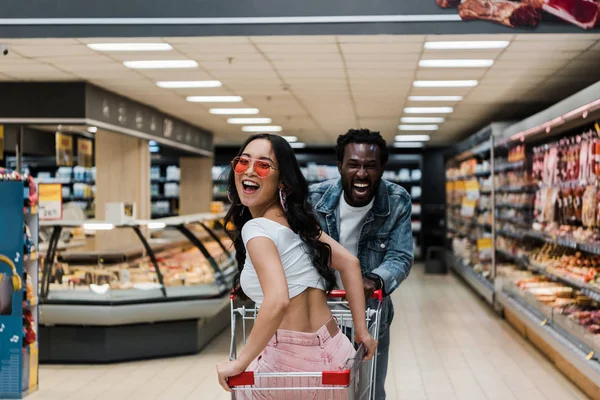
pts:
pixel 381 57
pixel 382 48
pixel 312 73
pixel 308 64
pixel 554 46
pixel 148 56
pixel 293 40
pixel 302 57
pixel 271 49
pixel 41 51
pixel 546 56
pixel 553 37
pixel 206 39
pixel 481 37
pixel 381 38
pixel 217 48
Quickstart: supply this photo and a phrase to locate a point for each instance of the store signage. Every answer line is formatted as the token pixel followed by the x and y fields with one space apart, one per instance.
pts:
pixel 1 142
pixel 50 201
pixel 484 244
pixel 468 208
pixel 584 14
pixel 85 149
pixel 64 150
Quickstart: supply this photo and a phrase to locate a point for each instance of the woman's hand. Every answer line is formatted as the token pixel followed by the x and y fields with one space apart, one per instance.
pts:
pixel 227 369
pixel 370 344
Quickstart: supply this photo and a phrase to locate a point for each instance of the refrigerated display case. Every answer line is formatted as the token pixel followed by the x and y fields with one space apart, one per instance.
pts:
pixel 167 280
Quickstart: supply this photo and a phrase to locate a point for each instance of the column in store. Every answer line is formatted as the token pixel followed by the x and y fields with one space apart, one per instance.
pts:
pixel 195 190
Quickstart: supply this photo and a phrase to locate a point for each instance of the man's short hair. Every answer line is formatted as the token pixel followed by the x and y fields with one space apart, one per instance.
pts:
pixel 361 136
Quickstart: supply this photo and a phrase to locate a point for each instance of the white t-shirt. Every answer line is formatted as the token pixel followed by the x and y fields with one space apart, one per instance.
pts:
pixel 349 224
pixel 297 264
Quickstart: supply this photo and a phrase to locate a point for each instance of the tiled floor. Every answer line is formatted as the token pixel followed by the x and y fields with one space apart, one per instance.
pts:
pixel 446 344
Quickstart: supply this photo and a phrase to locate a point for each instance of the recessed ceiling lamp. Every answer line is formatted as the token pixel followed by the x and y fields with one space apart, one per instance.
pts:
pixel 188 84
pixel 130 46
pixel 408 145
pixel 412 138
pixel 258 128
pixel 428 110
pixel 234 111
pixel 456 63
pixel 291 139
pixel 161 64
pixel 214 99
pixel 435 98
pixel 418 127
pixel 421 120
pixel 468 45
pixel 92 129
pixel 444 84
pixel 243 121
pixel 298 145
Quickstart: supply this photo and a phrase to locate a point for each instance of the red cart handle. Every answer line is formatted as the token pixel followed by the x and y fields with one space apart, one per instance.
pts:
pixel 330 378
pixel 340 294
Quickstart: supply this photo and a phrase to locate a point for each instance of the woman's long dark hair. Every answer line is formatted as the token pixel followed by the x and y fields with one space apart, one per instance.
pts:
pixel 299 213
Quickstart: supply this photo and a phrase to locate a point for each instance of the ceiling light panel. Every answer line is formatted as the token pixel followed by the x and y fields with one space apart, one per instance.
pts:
pixel 258 128
pixel 408 145
pixel 234 111
pixel 243 121
pixel 214 99
pixel 298 145
pixel 161 64
pixel 188 84
pixel 412 138
pixel 445 84
pixel 291 139
pixel 435 98
pixel 456 63
pixel 467 45
pixel 108 47
pixel 405 127
pixel 428 110
pixel 422 120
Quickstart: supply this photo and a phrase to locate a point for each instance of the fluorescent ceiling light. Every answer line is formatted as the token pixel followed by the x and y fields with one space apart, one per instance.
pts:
pixel 92 129
pixel 444 84
pixel 188 84
pixel 214 99
pixel 428 110
pixel 249 120
pixel 161 64
pixel 409 145
pixel 98 226
pixel 468 45
pixel 298 145
pixel 259 128
pixel 130 46
pixel 290 139
pixel 418 127
pixel 412 138
pixel 156 225
pixel 456 63
pixel 421 120
pixel 234 111
pixel 153 143
pixel 435 98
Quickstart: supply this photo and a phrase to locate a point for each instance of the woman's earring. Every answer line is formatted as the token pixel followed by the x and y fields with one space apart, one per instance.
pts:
pixel 283 199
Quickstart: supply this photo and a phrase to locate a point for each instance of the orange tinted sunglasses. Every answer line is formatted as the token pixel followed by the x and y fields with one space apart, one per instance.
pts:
pixel 261 167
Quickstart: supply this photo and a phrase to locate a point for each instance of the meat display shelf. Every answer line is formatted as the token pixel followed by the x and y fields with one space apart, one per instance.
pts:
pixel 588 290
pixel 559 341
pixel 514 221
pixel 515 206
pixel 509 166
pixel 510 234
pixel 479 174
pixel 481 285
pixel 566 241
pixel 508 256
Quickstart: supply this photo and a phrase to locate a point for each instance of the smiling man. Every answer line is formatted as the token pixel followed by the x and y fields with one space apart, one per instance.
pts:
pixel 370 217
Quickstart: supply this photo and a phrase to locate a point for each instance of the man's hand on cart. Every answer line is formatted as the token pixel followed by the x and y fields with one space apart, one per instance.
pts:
pixel 367 340
pixel 227 369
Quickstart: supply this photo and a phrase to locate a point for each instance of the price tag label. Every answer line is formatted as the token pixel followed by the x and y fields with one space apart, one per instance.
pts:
pixel 484 244
pixel 50 201
pixel 590 356
pixel 544 322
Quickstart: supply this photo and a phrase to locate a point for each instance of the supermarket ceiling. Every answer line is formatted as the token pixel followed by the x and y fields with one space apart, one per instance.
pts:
pixel 316 87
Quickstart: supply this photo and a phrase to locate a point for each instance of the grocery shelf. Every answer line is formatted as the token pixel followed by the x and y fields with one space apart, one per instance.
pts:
pixel 560 342
pixel 506 255
pixel 566 241
pixel 515 206
pixel 516 189
pixel 510 234
pixel 590 291
pixel 481 285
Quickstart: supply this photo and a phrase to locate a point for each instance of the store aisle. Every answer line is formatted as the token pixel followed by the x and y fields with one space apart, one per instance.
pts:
pixel 446 344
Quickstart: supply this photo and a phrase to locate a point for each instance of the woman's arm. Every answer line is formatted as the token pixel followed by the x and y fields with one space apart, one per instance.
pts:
pixel 349 267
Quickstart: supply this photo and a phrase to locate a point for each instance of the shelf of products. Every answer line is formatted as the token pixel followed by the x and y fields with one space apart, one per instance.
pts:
pixel 164 190
pixel 18 286
pixel 545 272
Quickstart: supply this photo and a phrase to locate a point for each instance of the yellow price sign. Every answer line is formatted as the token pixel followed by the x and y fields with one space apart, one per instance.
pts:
pixel 484 244
pixel 468 208
pixel 472 185
pixel 50 201
pixel 1 142
pixel 64 150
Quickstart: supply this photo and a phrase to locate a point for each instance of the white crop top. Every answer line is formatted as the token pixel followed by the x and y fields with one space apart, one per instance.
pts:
pixel 297 264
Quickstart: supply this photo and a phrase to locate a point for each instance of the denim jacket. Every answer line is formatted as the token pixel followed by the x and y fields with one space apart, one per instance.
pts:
pixel 385 245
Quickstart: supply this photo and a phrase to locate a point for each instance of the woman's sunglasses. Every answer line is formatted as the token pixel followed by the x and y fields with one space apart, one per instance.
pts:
pixel 261 167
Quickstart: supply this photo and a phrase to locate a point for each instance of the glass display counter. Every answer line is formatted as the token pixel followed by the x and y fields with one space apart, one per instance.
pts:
pixel 114 281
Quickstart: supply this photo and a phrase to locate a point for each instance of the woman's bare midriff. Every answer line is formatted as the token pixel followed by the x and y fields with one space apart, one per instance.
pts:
pixel 307 312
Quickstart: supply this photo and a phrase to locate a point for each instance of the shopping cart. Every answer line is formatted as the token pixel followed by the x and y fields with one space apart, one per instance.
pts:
pixel 355 382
